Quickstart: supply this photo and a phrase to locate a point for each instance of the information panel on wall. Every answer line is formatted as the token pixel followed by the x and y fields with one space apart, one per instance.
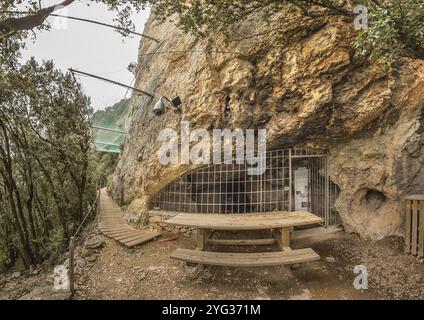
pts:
pixel 301 189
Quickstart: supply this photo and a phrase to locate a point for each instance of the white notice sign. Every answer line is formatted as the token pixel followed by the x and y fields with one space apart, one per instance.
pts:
pixel 301 189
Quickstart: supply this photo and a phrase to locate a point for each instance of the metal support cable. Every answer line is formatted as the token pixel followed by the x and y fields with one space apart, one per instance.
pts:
pixel 105 25
pixel 151 95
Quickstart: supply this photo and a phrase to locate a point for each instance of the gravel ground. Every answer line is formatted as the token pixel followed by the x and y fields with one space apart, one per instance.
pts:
pixel 147 272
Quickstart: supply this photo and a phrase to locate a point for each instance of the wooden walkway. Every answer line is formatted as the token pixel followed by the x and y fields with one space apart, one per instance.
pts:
pixel 113 225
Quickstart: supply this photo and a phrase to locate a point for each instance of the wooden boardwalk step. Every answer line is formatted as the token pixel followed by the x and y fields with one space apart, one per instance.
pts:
pixel 246 259
pixel 117 234
pixel 129 237
pixel 112 229
pixel 144 237
pixel 239 242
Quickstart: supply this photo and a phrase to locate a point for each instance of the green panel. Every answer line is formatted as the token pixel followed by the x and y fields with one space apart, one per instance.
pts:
pixel 109 127
pixel 105 148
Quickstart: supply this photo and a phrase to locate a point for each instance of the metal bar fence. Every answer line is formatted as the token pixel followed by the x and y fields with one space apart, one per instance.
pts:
pixel 227 188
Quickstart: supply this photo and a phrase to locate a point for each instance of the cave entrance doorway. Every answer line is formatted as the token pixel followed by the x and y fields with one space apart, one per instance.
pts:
pixel 295 179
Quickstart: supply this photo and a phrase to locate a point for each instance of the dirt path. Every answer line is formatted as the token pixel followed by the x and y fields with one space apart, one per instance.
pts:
pixel 147 272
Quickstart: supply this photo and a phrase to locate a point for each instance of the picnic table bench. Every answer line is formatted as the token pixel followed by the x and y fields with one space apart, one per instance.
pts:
pixel 279 222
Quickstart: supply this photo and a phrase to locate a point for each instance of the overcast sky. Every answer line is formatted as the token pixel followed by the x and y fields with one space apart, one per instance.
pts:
pixel 90 48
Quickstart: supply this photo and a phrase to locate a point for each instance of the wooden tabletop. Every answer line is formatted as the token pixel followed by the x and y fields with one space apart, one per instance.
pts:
pixel 246 221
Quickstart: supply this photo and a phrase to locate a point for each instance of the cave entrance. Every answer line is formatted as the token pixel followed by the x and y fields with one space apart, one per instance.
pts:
pixel 295 179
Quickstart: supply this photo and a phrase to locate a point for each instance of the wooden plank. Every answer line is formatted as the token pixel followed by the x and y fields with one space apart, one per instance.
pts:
pixel 241 242
pixel 245 221
pixel 109 227
pixel 421 230
pixel 316 233
pixel 147 237
pixel 135 236
pixel 245 259
pixel 200 239
pixel 114 216
pixel 117 227
pixel 110 224
pixel 111 212
pixel 116 221
pixel 285 238
pixel 111 231
pixel 408 226
pixel 71 264
pixel 116 234
pixel 128 237
pixel 414 237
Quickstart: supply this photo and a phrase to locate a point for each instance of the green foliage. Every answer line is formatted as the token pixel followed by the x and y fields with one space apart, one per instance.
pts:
pixel 396 28
pixel 56 243
pixel 105 164
pixel 3 255
pixel 46 179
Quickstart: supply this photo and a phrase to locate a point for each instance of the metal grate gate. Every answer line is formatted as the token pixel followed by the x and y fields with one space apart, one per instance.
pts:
pixel 227 188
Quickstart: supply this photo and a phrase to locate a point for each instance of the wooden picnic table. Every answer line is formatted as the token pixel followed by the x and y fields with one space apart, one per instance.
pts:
pixel 280 221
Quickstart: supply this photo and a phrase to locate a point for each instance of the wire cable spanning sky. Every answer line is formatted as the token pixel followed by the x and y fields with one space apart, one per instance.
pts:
pixel 89 47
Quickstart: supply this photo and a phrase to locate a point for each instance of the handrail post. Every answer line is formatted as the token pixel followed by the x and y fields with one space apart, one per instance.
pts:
pixel 71 277
pixel 71 265
pixel 100 186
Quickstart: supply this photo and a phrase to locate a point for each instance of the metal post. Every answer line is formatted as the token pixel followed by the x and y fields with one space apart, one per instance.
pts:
pixel 327 193
pixel 71 265
pixel 99 195
pixel 290 180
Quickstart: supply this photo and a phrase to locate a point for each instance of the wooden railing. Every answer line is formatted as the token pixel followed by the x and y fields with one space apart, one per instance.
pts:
pixel 414 225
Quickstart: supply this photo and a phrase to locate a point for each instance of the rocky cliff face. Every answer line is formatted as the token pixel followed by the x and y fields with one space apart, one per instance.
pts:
pixel 299 79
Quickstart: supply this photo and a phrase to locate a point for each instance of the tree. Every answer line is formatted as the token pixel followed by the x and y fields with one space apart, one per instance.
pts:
pixel 19 16
pixel 45 181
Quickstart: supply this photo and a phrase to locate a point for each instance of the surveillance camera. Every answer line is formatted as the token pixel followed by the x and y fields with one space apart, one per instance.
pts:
pixel 176 102
pixel 159 108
